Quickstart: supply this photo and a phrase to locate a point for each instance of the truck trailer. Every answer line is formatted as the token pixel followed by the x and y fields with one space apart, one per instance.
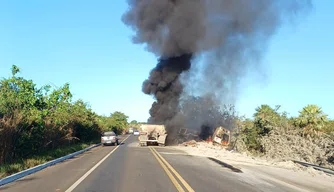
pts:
pixel 152 134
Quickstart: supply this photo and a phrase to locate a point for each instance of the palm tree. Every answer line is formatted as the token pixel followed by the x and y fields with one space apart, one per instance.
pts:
pixel 265 118
pixel 311 119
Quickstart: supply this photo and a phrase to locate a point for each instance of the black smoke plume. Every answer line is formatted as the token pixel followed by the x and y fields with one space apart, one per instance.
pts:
pixel 165 85
pixel 205 48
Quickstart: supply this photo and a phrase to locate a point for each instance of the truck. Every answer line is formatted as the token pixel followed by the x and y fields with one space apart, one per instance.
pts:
pixel 130 130
pixel 221 136
pixel 152 134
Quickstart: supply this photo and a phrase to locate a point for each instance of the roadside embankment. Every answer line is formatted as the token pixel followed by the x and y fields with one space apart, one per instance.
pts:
pixel 287 172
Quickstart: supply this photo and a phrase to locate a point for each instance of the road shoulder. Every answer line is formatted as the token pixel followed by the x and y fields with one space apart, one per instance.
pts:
pixel 283 174
pixel 59 176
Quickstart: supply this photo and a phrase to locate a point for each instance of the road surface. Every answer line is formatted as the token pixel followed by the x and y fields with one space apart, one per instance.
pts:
pixel 128 168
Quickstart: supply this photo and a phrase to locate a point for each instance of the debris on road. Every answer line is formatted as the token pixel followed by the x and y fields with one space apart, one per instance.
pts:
pixel 185 135
pixel 220 137
pixel 191 143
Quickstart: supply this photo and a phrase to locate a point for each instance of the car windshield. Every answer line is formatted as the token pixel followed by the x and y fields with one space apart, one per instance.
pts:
pixel 109 134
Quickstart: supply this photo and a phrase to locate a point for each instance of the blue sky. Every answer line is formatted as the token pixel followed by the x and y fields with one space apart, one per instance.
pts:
pixel 86 44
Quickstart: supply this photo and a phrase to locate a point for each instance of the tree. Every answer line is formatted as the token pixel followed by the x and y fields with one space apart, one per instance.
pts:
pixel 119 121
pixel 116 122
pixel 265 118
pixel 311 119
pixel 33 119
pixel 329 128
pixel 15 70
pixel 134 122
pixel 18 112
pixel 246 136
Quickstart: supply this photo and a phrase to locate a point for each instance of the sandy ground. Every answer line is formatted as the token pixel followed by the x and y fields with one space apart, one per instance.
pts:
pixel 288 173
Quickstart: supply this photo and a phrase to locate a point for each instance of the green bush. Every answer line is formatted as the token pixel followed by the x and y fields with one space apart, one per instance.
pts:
pixel 308 137
pixel 35 120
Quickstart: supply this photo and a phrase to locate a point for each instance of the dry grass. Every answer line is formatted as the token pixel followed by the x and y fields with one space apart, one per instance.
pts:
pixel 287 144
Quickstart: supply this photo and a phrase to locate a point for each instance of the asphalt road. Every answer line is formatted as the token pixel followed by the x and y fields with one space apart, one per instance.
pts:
pixel 128 168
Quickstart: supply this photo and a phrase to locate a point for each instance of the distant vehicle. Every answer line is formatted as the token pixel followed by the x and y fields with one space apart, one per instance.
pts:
pixel 130 130
pixel 136 132
pixel 109 138
pixel 152 134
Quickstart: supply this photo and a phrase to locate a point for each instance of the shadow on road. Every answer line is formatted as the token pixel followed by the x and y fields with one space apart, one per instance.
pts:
pixel 225 165
pixel 112 145
pixel 26 179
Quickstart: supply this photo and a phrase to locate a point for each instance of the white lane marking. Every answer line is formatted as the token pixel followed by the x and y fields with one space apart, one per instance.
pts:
pixel 92 169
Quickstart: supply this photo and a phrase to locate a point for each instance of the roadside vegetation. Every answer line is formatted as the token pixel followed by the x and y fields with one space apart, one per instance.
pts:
pixel 43 157
pixel 135 124
pixel 117 122
pixel 38 124
pixel 309 137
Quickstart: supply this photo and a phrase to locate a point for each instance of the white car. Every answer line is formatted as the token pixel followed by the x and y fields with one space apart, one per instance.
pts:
pixel 109 138
pixel 136 132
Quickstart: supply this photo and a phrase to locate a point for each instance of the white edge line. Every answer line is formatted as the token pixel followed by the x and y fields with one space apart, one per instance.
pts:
pixel 37 168
pixel 92 169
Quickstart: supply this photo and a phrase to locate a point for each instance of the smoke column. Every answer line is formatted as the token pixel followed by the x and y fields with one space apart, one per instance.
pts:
pixel 205 47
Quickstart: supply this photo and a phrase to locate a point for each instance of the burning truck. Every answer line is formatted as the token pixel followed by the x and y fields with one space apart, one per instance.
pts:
pixel 221 136
pixel 154 134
